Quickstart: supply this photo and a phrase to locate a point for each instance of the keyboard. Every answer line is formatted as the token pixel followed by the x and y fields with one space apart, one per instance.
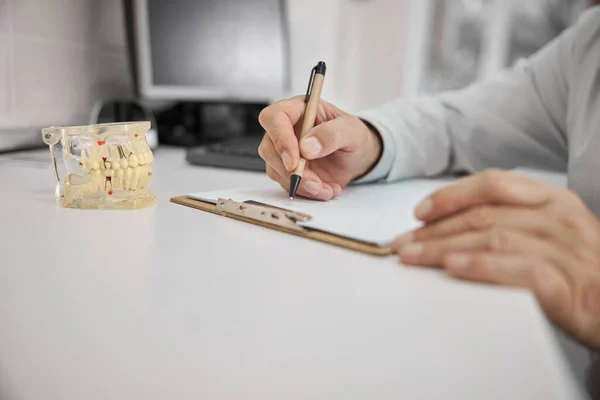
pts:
pixel 238 153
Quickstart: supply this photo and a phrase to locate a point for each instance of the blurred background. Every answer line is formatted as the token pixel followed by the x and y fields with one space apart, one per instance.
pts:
pixel 62 59
pixel 201 70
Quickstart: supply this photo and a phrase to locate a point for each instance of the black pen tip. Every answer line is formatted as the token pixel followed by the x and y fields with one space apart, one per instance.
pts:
pixel 294 184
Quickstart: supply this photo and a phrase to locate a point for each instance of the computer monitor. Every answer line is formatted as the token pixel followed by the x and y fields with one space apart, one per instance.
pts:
pixel 211 50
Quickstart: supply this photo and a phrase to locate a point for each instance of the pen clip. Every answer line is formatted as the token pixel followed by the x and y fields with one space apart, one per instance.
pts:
pixel 310 83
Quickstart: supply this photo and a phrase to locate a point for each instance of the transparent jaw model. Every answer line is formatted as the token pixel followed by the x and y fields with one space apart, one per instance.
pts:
pixel 104 166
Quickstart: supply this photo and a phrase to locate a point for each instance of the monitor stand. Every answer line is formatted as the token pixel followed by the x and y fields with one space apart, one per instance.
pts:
pixel 190 124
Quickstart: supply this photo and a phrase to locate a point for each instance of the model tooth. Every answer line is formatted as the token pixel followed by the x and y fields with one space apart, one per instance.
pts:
pixel 126 149
pixel 97 180
pixel 147 175
pixel 128 174
pixel 144 149
pixel 104 153
pixel 107 165
pixel 137 172
pixel 149 157
pixel 93 154
pixel 133 161
pixel 117 180
pixel 84 159
pixel 95 171
pixel 141 177
pixel 140 158
pixel 120 175
pixel 124 163
pixel 115 163
pixel 114 154
pixel 95 165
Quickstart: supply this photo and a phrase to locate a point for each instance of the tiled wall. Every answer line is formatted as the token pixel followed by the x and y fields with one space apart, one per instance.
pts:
pixel 57 57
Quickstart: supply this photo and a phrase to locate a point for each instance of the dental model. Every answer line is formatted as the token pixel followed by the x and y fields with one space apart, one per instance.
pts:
pixel 118 165
pixel 103 166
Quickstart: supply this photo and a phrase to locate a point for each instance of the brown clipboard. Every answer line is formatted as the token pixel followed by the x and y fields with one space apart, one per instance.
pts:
pixel 280 220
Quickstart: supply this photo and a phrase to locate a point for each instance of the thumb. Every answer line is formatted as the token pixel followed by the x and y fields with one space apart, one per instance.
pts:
pixel 327 138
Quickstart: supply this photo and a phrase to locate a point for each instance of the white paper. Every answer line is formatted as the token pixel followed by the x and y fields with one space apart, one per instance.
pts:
pixel 370 213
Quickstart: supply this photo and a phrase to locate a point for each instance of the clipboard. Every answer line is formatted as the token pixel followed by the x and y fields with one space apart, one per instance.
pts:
pixel 281 220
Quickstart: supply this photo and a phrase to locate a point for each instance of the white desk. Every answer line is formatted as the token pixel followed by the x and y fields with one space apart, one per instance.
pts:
pixel 173 303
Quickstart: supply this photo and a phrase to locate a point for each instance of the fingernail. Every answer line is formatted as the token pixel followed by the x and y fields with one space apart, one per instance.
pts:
pixel 403 240
pixel 412 250
pixel 287 160
pixel 423 208
pixel 312 187
pixel 337 190
pixel 458 262
pixel 311 146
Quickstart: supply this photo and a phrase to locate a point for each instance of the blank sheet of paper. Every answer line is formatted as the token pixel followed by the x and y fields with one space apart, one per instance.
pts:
pixel 370 213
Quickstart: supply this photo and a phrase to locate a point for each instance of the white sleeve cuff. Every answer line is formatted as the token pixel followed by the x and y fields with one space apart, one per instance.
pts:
pixel 382 168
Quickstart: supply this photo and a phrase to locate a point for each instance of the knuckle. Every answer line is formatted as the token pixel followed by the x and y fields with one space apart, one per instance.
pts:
pixel 493 174
pixel 336 138
pixel 261 150
pixel 443 201
pixel 573 198
pixel 480 217
pixel 277 142
pixel 583 228
pixel 584 254
pixel 272 174
pixel 499 240
pixel 496 181
pixel 482 265
pixel 266 114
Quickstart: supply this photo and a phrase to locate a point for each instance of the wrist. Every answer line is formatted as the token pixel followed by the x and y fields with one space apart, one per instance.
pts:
pixel 374 149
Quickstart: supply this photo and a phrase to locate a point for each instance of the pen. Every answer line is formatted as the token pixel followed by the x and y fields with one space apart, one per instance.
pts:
pixel 313 96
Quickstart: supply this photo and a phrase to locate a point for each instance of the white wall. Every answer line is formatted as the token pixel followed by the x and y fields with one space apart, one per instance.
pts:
pixel 364 43
pixel 57 57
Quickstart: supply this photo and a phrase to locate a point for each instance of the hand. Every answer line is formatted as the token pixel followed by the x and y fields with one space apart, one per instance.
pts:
pixel 501 228
pixel 338 149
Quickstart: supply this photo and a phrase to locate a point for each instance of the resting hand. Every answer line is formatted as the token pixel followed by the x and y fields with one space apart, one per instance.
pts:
pixel 501 228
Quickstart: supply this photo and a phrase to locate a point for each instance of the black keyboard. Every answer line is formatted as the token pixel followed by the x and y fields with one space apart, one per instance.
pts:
pixel 239 153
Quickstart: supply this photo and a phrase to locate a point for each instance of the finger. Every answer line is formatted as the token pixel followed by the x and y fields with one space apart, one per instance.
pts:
pixel 329 137
pixel 312 184
pixel 486 217
pixel 500 269
pixel 505 241
pixel 267 152
pixel 493 186
pixel 311 187
pixel 337 189
pixel 278 120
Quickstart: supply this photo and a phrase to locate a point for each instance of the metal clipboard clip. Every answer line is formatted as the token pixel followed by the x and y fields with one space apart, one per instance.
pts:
pixel 263 213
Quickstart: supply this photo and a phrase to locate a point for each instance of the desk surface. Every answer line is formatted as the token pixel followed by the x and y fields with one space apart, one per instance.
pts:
pixel 170 302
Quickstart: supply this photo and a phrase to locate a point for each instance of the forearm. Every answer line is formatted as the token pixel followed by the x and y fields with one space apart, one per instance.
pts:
pixel 516 119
